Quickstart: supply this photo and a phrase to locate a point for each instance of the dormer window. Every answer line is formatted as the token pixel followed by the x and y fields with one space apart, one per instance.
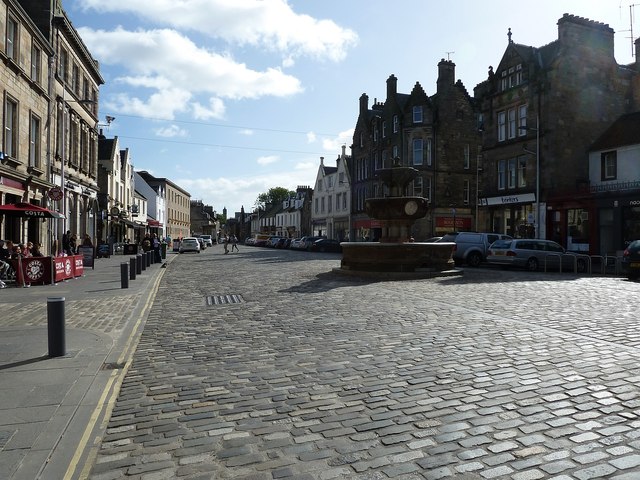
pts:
pixel 511 77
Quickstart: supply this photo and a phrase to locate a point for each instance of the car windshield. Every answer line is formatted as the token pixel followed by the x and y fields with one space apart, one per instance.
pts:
pixel 501 244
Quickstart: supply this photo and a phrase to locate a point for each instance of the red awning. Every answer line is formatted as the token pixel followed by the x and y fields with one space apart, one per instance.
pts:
pixel 26 210
pixel 153 223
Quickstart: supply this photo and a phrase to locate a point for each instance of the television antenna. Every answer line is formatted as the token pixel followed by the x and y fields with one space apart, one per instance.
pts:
pixel 449 55
pixel 631 13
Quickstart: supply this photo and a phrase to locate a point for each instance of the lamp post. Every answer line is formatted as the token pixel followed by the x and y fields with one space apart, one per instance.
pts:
pixel 537 153
pixel 478 170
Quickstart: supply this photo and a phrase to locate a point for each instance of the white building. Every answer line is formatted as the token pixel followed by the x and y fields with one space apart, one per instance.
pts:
pixel 331 210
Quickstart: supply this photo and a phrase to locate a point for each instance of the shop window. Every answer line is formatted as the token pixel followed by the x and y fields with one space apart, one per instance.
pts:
pixel 577 226
pixel 630 224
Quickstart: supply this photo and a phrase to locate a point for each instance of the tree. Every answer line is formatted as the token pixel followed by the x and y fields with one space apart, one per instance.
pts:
pixel 274 196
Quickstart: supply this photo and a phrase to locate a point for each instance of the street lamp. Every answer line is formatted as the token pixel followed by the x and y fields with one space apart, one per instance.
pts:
pixel 478 170
pixel 537 153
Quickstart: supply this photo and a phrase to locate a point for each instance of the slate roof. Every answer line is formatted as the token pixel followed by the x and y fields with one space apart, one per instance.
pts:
pixel 623 132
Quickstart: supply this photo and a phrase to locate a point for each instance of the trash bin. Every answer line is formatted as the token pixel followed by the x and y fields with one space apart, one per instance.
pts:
pixel 163 250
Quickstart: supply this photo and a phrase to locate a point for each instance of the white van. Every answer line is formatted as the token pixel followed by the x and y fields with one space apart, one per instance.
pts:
pixel 208 241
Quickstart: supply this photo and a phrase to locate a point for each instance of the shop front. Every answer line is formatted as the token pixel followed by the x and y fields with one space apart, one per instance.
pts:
pixel 618 222
pixel 515 215
pixel 367 230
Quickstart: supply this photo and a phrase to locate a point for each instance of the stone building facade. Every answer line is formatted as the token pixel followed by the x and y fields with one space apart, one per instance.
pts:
pixel 49 148
pixel 177 208
pixel 437 135
pixel 25 157
pixel 541 109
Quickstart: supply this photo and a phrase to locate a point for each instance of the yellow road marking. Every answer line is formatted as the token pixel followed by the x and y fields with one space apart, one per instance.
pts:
pixel 114 387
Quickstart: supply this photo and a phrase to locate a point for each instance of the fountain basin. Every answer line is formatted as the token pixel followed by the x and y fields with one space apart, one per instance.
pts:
pixel 398 260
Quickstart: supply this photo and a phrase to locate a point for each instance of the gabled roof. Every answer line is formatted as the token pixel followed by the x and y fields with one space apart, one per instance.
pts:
pixel 329 170
pixel 623 132
pixel 106 148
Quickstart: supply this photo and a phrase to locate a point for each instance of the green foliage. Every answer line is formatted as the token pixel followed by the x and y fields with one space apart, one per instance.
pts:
pixel 273 196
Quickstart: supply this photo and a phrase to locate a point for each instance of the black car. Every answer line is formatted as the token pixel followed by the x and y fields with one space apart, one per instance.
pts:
pixel 325 245
pixel 631 260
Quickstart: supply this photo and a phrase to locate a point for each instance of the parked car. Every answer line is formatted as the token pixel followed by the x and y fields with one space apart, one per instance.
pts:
pixel 306 242
pixel 325 245
pixel 283 243
pixel 631 260
pixel 296 243
pixel 272 242
pixel 189 244
pixel 472 247
pixel 534 254
pixel 250 241
pixel 202 243
pixel 208 241
pixel 448 237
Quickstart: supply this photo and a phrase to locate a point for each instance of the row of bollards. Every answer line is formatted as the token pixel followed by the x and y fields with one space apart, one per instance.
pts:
pixel 136 266
pixel 55 305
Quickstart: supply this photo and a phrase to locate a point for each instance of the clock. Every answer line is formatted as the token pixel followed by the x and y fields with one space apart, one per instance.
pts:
pixel 411 207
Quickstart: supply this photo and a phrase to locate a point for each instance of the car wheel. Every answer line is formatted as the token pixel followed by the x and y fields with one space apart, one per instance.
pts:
pixel 532 264
pixel 181 253
pixel 474 259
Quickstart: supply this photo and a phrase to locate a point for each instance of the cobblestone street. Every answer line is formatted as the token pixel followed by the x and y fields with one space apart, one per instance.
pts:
pixel 313 375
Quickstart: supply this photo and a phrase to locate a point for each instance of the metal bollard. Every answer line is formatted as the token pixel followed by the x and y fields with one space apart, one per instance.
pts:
pixel 124 275
pixel 132 268
pixel 148 259
pixel 139 264
pixel 55 326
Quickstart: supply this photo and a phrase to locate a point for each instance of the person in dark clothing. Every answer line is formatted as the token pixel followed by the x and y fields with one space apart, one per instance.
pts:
pixel 155 242
pixel 66 242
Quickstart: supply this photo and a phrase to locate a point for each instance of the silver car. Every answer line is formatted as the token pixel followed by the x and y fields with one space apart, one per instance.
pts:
pixel 189 244
pixel 535 254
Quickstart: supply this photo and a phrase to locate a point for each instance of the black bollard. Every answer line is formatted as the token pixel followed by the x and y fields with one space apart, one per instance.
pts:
pixel 139 264
pixel 132 268
pixel 55 326
pixel 148 255
pixel 124 275
pixel 143 261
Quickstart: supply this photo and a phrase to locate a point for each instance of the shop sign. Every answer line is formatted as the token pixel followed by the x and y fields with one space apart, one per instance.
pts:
pixel 508 199
pixel 55 193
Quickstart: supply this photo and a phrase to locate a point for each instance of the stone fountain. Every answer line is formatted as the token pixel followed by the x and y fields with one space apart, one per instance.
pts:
pixel 395 255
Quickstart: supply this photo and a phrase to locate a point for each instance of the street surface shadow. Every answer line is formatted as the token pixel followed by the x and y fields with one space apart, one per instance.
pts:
pixel 324 282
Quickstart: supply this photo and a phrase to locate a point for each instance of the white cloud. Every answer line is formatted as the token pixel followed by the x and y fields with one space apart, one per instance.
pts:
pixel 176 70
pixel 267 160
pixel 271 25
pixel 171 131
pixel 246 131
pixel 229 192
pixel 335 144
pixel 311 137
pixel 216 109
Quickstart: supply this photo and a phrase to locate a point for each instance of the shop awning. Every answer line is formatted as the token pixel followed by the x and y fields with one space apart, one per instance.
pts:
pixel 154 223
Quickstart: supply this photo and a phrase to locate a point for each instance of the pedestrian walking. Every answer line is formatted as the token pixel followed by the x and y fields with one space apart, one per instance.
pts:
pixel 226 244
pixel 234 243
